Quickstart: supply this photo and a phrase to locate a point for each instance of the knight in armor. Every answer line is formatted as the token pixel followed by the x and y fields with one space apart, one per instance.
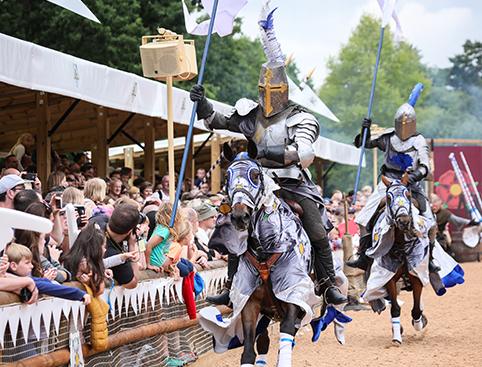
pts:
pixel 282 134
pixel 405 150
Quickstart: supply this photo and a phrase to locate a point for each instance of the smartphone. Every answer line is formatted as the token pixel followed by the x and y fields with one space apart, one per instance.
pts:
pixel 29 176
pixel 80 209
pixel 58 202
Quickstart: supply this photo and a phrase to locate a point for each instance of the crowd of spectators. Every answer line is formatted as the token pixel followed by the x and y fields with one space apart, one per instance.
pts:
pixel 124 229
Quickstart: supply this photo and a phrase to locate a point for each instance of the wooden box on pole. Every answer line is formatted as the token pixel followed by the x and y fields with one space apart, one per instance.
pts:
pixel 169 57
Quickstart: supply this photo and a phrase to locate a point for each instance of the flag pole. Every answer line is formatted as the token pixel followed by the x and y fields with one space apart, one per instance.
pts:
pixel 193 115
pixel 370 105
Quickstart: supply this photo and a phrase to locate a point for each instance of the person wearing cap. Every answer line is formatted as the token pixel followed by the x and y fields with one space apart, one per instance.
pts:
pixel 121 238
pixel 207 221
pixel 9 186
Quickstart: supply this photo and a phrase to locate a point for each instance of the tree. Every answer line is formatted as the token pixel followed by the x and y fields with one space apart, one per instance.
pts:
pixel 347 87
pixel 467 67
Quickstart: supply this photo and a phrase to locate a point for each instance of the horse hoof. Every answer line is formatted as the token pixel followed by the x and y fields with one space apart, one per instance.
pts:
pixel 396 343
pixel 420 324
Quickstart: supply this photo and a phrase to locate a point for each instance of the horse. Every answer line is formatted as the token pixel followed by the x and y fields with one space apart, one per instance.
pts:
pixel 400 249
pixel 273 274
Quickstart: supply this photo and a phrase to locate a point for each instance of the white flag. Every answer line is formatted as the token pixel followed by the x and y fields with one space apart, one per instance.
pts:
pixel 306 97
pixel 388 10
pixel 76 6
pixel 223 25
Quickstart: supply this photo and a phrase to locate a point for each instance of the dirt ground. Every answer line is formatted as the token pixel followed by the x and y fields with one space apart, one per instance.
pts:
pixel 453 336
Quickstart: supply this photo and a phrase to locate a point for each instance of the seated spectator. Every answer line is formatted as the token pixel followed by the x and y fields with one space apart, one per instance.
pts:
pixel 158 245
pixel 85 258
pixel 10 185
pixel 20 264
pixel 121 238
pixel 22 149
pixel 15 284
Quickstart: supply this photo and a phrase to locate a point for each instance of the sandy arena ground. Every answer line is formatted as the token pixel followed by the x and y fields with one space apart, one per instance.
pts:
pixel 453 336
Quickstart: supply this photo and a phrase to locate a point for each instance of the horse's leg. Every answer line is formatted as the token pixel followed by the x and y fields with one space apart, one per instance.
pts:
pixel 395 307
pixel 262 347
pixel 419 321
pixel 287 335
pixel 249 317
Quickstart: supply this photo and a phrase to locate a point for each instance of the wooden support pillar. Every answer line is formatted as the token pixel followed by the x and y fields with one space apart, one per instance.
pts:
pixel 163 165
pixel 149 153
pixel 42 138
pixel 375 168
pixel 129 160
pixel 170 141
pixel 100 151
pixel 216 172
pixel 189 175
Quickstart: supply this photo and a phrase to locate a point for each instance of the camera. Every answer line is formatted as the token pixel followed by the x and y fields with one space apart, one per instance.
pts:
pixel 29 176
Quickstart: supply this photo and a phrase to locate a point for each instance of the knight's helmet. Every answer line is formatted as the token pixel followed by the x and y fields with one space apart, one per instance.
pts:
pixel 405 117
pixel 273 81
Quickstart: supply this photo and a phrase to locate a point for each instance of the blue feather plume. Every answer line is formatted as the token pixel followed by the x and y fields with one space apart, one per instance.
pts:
pixel 416 91
pixel 268 22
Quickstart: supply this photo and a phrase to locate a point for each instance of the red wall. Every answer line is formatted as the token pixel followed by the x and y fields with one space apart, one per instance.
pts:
pixel 445 182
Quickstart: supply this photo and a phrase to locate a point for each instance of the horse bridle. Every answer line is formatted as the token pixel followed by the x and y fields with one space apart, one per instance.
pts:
pixel 393 215
pixel 259 194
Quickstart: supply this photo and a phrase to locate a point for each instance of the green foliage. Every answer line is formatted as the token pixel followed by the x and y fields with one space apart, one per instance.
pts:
pixel 467 67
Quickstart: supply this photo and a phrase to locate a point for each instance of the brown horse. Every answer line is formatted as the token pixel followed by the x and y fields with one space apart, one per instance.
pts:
pixel 406 257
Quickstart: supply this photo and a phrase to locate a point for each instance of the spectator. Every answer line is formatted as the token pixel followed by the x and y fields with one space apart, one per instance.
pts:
pixel 72 195
pixel 158 245
pixel 121 238
pixel 11 161
pixel 95 194
pixel 135 194
pixel 125 176
pixel 24 198
pixel 200 175
pixel 201 255
pixel 15 284
pixel 145 189
pixel 9 186
pixel 75 172
pixel 138 181
pixel 10 171
pixel 163 193
pixel 115 190
pixel 85 258
pixel 115 174
pixel 45 255
pixel 87 170
pixel 20 259
pixel 207 221
pixel 56 179
pixel 23 147
pixel 205 189
pixel 367 191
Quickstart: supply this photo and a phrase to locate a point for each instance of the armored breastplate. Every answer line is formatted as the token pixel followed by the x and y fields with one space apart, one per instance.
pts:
pixel 271 131
pixel 400 155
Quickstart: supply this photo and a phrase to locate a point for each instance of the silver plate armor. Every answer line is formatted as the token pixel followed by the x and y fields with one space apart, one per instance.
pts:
pixel 405 122
pixel 273 89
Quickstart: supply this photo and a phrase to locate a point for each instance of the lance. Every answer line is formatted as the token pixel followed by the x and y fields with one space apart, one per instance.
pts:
pixel 370 105
pixel 193 114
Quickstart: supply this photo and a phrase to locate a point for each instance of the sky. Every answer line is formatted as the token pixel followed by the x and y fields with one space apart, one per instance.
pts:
pixel 314 30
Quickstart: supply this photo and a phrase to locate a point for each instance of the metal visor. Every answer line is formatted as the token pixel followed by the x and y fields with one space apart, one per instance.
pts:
pixel 273 90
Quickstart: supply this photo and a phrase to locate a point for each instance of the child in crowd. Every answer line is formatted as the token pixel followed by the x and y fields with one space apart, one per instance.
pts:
pixel 158 245
pixel 85 258
pixel 20 264
pixel 15 284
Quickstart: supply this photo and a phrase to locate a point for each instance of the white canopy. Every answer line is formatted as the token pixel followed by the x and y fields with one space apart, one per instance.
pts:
pixel 25 64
